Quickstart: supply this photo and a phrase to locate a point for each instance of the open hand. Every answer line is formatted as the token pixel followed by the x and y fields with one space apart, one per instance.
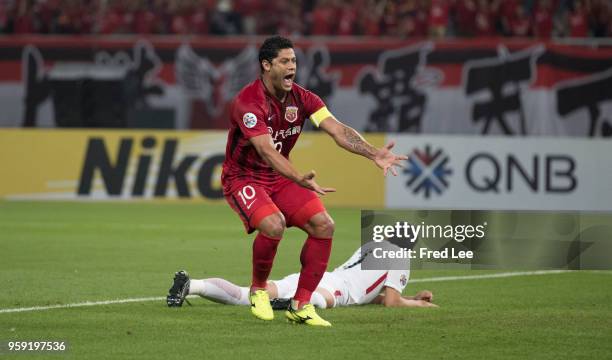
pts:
pixel 308 182
pixel 424 295
pixel 387 160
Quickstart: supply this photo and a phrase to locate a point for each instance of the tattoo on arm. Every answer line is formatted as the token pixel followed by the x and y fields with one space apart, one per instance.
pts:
pixel 357 144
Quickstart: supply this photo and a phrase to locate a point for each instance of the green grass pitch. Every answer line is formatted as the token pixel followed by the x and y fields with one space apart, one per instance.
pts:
pixel 64 253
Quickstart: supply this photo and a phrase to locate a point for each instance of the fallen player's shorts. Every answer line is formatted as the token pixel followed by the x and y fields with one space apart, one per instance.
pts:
pixel 287 286
pixel 253 202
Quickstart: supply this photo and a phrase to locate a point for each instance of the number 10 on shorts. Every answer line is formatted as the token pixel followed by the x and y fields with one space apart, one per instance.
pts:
pixel 247 194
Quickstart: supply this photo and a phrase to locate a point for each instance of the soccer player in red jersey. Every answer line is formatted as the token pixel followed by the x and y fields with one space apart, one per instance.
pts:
pixel 265 189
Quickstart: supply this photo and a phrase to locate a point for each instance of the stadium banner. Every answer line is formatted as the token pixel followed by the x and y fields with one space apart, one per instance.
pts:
pixel 464 239
pixel 498 173
pixel 484 86
pixel 159 165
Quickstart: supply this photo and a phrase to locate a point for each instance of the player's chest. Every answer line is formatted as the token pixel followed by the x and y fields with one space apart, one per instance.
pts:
pixel 285 121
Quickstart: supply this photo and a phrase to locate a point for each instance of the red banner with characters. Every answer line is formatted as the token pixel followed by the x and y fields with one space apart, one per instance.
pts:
pixel 481 86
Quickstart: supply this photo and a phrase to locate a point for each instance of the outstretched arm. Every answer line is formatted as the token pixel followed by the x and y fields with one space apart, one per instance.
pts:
pixel 349 139
pixel 390 297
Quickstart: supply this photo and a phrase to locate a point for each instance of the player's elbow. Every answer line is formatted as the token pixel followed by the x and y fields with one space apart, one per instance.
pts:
pixel 340 133
pixel 336 130
pixel 341 142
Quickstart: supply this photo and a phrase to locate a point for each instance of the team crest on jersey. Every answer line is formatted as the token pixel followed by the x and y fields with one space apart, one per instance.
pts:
pixel 249 120
pixel 291 113
pixel 403 280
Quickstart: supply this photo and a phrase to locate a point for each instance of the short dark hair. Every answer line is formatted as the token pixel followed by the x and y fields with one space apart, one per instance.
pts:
pixel 270 48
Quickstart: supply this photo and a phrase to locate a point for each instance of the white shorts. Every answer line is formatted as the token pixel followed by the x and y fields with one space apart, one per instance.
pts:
pixel 288 285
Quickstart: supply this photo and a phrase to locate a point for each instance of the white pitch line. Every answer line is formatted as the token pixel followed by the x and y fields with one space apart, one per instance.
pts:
pixel 490 276
pixel 123 301
pixel 81 304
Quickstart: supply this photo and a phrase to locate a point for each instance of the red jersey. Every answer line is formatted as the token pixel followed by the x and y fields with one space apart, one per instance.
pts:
pixel 257 112
pixel 543 22
pixel 578 24
pixel 439 13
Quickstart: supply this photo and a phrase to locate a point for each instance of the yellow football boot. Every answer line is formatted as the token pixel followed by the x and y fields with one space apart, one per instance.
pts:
pixel 260 305
pixel 307 315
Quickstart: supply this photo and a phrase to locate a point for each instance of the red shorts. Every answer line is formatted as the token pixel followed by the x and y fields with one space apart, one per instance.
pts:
pixel 253 202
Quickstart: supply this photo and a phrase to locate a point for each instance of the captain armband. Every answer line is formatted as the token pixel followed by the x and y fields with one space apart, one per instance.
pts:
pixel 320 115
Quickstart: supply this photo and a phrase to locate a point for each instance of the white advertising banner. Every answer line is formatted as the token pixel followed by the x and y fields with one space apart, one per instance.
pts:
pixel 488 173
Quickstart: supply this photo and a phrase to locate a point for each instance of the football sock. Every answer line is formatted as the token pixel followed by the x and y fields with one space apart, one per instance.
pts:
pixel 264 250
pixel 220 290
pixel 318 300
pixel 314 258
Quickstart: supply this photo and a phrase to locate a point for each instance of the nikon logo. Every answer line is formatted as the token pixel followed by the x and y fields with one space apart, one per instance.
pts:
pixel 171 169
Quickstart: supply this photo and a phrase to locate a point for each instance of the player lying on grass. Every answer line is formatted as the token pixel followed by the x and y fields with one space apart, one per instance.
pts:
pixel 347 285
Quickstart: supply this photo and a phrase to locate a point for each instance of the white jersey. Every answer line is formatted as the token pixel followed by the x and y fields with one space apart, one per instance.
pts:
pixel 362 286
pixel 349 283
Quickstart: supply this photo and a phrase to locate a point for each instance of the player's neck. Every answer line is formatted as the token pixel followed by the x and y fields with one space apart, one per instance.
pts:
pixel 280 95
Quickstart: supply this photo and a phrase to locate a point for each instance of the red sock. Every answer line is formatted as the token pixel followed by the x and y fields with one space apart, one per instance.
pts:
pixel 314 258
pixel 264 250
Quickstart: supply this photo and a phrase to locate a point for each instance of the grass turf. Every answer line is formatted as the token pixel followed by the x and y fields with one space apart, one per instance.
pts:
pixel 61 253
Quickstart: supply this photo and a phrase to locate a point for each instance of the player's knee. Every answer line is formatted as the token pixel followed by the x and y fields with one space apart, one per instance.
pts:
pixel 276 230
pixel 324 227
pixel 273 226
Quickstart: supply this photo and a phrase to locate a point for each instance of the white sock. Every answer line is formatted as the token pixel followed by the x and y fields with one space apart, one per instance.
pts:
pixel 318 300
pixel 220 290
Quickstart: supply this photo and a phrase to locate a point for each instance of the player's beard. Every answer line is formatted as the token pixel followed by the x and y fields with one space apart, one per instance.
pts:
pixel 287 83
pixel 283 80
pixel 280 86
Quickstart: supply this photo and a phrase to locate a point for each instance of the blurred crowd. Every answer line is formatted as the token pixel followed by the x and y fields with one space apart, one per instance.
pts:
pixel 399 18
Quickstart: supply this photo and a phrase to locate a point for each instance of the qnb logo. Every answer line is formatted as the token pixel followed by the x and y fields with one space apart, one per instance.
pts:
pixel 427 172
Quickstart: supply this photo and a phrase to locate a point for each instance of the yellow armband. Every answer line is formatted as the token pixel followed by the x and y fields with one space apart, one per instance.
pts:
pixel 320 115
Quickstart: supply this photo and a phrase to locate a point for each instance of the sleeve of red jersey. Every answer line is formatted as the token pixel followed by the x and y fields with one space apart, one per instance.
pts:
pixel 315 108
pixel 250 119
